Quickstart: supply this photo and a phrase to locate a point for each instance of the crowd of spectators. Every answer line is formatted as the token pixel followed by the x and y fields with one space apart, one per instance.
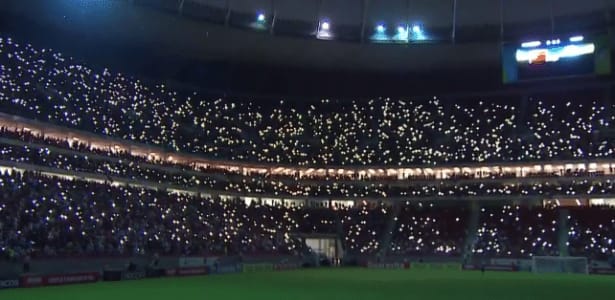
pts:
pixel 113 168
pixel 42 216
pixel 436 189
pixel 44 84
pixel 517 232
pixel 320 221
pixel 364 227
pixel 109 167
pixel 38 140
pixel 428 230
pixel 591 232
pixel 45 216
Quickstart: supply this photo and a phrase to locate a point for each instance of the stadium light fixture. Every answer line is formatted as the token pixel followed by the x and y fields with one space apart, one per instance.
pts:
pixel 261 17
pixel 324 30
pixel 325 25
pixel 418 33
pixel 380 34
pixel 402 33
pixel 575 39
pixel 260 21
pixel 417 29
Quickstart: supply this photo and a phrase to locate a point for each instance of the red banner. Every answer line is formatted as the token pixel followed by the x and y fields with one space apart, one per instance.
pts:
pixel 58 279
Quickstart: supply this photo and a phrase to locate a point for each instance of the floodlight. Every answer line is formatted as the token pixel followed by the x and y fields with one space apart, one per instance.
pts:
pixel 325 25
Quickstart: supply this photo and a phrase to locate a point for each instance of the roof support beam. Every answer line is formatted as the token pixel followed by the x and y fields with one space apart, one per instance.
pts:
pixel 180 8
pixel 364 13
pixel 454 28
pixel 274 17
pixel 227 17
pixel 502 4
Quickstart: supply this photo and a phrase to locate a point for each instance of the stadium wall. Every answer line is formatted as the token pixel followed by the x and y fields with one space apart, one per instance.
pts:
pixel 45 272
pixel 400 260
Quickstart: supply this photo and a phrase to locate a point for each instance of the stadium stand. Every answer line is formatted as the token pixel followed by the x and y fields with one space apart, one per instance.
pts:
pixel 45 85
pixel 591 232
pixel 516 231
pixel 48 216
pixel 63 197
pixel 426 230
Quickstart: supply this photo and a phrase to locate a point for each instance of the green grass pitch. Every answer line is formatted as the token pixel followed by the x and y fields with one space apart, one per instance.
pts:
pixel 337 284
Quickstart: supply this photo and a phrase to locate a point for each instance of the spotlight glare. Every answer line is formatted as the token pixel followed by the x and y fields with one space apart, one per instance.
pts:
pixel 402 34
pixel 325 25
pixel 261 17
pixel 324 32
pixel 380 28
pixel 417 29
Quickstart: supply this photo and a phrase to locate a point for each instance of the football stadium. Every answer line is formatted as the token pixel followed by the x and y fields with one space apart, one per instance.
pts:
pixel 294 149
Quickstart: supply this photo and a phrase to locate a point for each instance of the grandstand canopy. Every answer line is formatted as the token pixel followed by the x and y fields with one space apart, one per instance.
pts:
pixel 262 39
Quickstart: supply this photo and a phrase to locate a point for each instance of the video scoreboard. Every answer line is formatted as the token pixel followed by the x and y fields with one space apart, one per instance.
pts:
pixel 556 58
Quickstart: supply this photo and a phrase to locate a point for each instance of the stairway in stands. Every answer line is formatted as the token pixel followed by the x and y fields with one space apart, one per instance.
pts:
pixel 562 237
pixel 339 228
pixel 387 236
pixel 471 229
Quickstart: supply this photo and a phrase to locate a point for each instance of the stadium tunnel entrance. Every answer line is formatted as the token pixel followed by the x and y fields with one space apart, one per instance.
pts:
pixel 327 249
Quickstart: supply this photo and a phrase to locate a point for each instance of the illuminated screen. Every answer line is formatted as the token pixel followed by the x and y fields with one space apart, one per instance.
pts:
pixel 559 57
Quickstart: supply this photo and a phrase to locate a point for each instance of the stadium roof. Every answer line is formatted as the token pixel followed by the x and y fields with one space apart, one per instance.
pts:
pixel 354 20
pixel 223 31
pixel 361 21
